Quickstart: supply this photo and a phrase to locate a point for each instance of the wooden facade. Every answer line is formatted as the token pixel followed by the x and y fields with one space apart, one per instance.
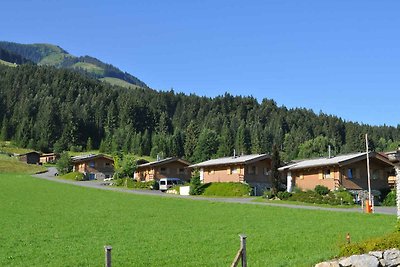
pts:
pixel 350 174
pixel 30 157
pixel 49 157
pixel 254 170
pixel 94 167
pixel 166 168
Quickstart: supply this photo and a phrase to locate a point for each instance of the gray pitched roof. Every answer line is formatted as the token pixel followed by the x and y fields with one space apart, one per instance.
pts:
pixel 89 157
pixel 162 162
pixel 338 160
pixel 231 160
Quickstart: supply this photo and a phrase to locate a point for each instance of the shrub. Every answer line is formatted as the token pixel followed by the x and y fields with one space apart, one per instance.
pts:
pixel 155 185
pixel 381 243
pixel 321 190
pixel 390 199
pixel 344 197
pixel 77 176
pixel 195 185
pixel 268 194
pixel 227 189
pixel 283 195
pixel 130 183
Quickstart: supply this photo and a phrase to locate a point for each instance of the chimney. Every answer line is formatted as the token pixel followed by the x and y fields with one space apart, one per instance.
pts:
pixel 234 153
pixel 158 157
pixel 329 151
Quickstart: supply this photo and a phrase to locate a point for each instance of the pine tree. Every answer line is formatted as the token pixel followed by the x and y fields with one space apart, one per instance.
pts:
pixel 4 130
pixel 275 174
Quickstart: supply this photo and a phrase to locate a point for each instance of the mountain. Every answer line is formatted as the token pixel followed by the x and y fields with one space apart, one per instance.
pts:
pixel 52 55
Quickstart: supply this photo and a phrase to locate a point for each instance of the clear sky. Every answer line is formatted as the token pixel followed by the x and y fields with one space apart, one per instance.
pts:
pixel 338 56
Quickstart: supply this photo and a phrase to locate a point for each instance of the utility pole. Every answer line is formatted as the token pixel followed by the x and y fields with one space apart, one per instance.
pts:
pixel 369 175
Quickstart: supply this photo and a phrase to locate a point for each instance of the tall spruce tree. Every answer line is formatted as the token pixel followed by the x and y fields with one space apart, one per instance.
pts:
pixel 275 174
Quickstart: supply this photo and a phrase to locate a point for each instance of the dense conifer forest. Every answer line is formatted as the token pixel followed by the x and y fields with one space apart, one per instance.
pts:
pixel 47 109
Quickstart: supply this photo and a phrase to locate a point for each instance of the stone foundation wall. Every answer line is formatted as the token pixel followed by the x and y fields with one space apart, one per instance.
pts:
pixel 387 258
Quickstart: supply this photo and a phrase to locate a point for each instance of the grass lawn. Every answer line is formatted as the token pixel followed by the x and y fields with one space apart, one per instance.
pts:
pixel 44 223
pixel 273 201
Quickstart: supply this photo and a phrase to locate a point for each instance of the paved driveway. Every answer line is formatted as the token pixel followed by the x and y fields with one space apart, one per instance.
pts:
pixel 50 175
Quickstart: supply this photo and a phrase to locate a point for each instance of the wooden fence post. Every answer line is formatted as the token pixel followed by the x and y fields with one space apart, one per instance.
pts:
pixel 108 255
pixel 241 254
pixel 243 249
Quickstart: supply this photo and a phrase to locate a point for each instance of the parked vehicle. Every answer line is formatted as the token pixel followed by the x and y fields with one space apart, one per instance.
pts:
pixel 166 183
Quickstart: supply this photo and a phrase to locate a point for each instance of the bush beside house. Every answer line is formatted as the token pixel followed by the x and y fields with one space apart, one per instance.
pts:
pixel 320 195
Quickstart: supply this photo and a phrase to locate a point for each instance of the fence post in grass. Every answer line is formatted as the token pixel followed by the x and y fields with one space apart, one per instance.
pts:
pixel 243 249
pixel 241 254
pixel 108 255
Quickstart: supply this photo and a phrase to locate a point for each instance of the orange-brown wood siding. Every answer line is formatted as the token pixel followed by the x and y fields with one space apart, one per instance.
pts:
pixel 172 170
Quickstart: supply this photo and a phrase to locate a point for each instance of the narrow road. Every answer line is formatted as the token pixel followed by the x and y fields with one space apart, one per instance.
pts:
pixel 50 175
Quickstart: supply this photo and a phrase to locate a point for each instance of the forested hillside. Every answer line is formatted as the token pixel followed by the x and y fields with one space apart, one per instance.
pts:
pixel 52 55
pixel 12 58
pixel 46 108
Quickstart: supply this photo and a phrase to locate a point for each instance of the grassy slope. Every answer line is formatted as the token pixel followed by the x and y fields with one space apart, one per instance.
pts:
pixel 119 82
pixel 11 164
pixel 7 63
pixel 7 147
pixel 89 68
pixel 50 224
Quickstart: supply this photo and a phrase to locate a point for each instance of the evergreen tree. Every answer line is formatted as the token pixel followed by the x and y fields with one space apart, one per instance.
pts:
pixel 275 174
pixel 191 137
pixel 4 130
pixel 206 146
pixel 89 144
pixel 226 142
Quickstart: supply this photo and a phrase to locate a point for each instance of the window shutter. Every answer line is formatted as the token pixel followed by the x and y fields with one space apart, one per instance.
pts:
pixel 228 170
pixel 321 174
pixel 301 176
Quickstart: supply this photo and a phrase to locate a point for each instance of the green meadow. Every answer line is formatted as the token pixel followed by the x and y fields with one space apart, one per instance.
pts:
pixel 45 223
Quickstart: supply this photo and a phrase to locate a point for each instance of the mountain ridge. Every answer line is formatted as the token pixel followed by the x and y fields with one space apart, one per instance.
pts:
pixel 56 56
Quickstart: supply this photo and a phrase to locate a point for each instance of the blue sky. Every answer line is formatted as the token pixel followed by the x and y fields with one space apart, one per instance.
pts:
pixel 340 57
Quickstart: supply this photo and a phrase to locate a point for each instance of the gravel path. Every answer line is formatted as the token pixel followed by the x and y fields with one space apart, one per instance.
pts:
pixel 50 175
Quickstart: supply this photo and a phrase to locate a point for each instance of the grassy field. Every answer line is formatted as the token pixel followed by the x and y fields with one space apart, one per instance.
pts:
pixel 119 82
pixel 45 223
pixel 11 164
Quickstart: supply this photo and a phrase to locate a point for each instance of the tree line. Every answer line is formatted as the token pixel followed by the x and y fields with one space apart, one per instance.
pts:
pixel 50 109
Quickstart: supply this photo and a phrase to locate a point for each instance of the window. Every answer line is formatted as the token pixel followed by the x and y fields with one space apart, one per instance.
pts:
pixel 163 170
pixel 162 182
pixel 234 170
pixel 91 164
pixel 107 164
pixel 375 175
pixel 327 173
pixel 211 171
pixel 107 176
pixel 266 171
pixel 181 171
pixel 252 170
pixel 350 173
